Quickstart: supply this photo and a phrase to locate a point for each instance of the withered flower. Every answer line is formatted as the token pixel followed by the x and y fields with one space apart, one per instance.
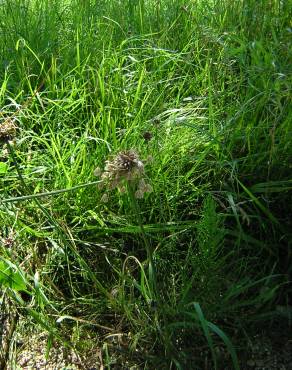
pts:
pixel 147 136
pixel 143 188
pixel 7 130
pixel 124 167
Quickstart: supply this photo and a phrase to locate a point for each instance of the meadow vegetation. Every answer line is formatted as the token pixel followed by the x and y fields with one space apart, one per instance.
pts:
pixel 196 98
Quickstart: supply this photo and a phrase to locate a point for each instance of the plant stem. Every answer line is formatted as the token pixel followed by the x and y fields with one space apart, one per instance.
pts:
pixel 151 265
pixel 62 233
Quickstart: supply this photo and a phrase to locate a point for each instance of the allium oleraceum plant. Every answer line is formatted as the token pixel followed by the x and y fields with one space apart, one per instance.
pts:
pixel 7 130
pixel 126 172
pixel 124 168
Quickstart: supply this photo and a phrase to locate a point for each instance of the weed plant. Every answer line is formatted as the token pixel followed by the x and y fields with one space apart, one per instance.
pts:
pixel 202 87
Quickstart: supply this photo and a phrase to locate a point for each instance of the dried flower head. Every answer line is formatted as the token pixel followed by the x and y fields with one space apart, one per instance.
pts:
pixel 9 240
pixel 143 188
pixel 126 166
pixel 156 121
pixel 139 194
pixel 147 136
pixel 104 198
pixel 97 171
pixel 7 130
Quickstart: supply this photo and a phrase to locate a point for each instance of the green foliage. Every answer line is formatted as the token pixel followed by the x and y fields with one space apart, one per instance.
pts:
pixel 204 89
pixel 11 277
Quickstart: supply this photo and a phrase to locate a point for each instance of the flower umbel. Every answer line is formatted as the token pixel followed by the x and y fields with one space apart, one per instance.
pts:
pixel 7 130
pixel 143 187
pixel 126 166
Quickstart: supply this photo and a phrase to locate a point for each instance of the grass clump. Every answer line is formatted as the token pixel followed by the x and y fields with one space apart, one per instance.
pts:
pixel 191 251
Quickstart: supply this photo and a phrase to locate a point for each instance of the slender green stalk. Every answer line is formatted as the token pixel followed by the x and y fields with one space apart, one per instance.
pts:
pixel 58 228
pixel 149 250
pixel 49 193
pixel 84 79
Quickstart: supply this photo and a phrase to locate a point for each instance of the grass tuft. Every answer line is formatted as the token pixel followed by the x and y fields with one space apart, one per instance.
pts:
pixel 192 250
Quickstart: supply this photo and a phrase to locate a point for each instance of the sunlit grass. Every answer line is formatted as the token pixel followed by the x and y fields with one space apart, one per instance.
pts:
pixel 203 89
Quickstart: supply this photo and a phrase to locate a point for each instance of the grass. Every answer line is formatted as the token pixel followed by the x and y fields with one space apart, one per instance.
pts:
pixel 205 90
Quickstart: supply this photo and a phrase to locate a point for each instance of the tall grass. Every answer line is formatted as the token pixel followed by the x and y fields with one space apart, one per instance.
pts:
pixel 204 89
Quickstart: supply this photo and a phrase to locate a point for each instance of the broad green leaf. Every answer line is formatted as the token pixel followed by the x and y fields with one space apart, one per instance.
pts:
pixel 11 277
pixel 3 168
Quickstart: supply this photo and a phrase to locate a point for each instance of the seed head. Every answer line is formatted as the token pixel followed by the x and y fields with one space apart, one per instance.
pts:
pixel 124 167
pixel 143 188
pixel 7 130
pixel 147 135
pixel 139 194
pixel 97 171
pixel 104 198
